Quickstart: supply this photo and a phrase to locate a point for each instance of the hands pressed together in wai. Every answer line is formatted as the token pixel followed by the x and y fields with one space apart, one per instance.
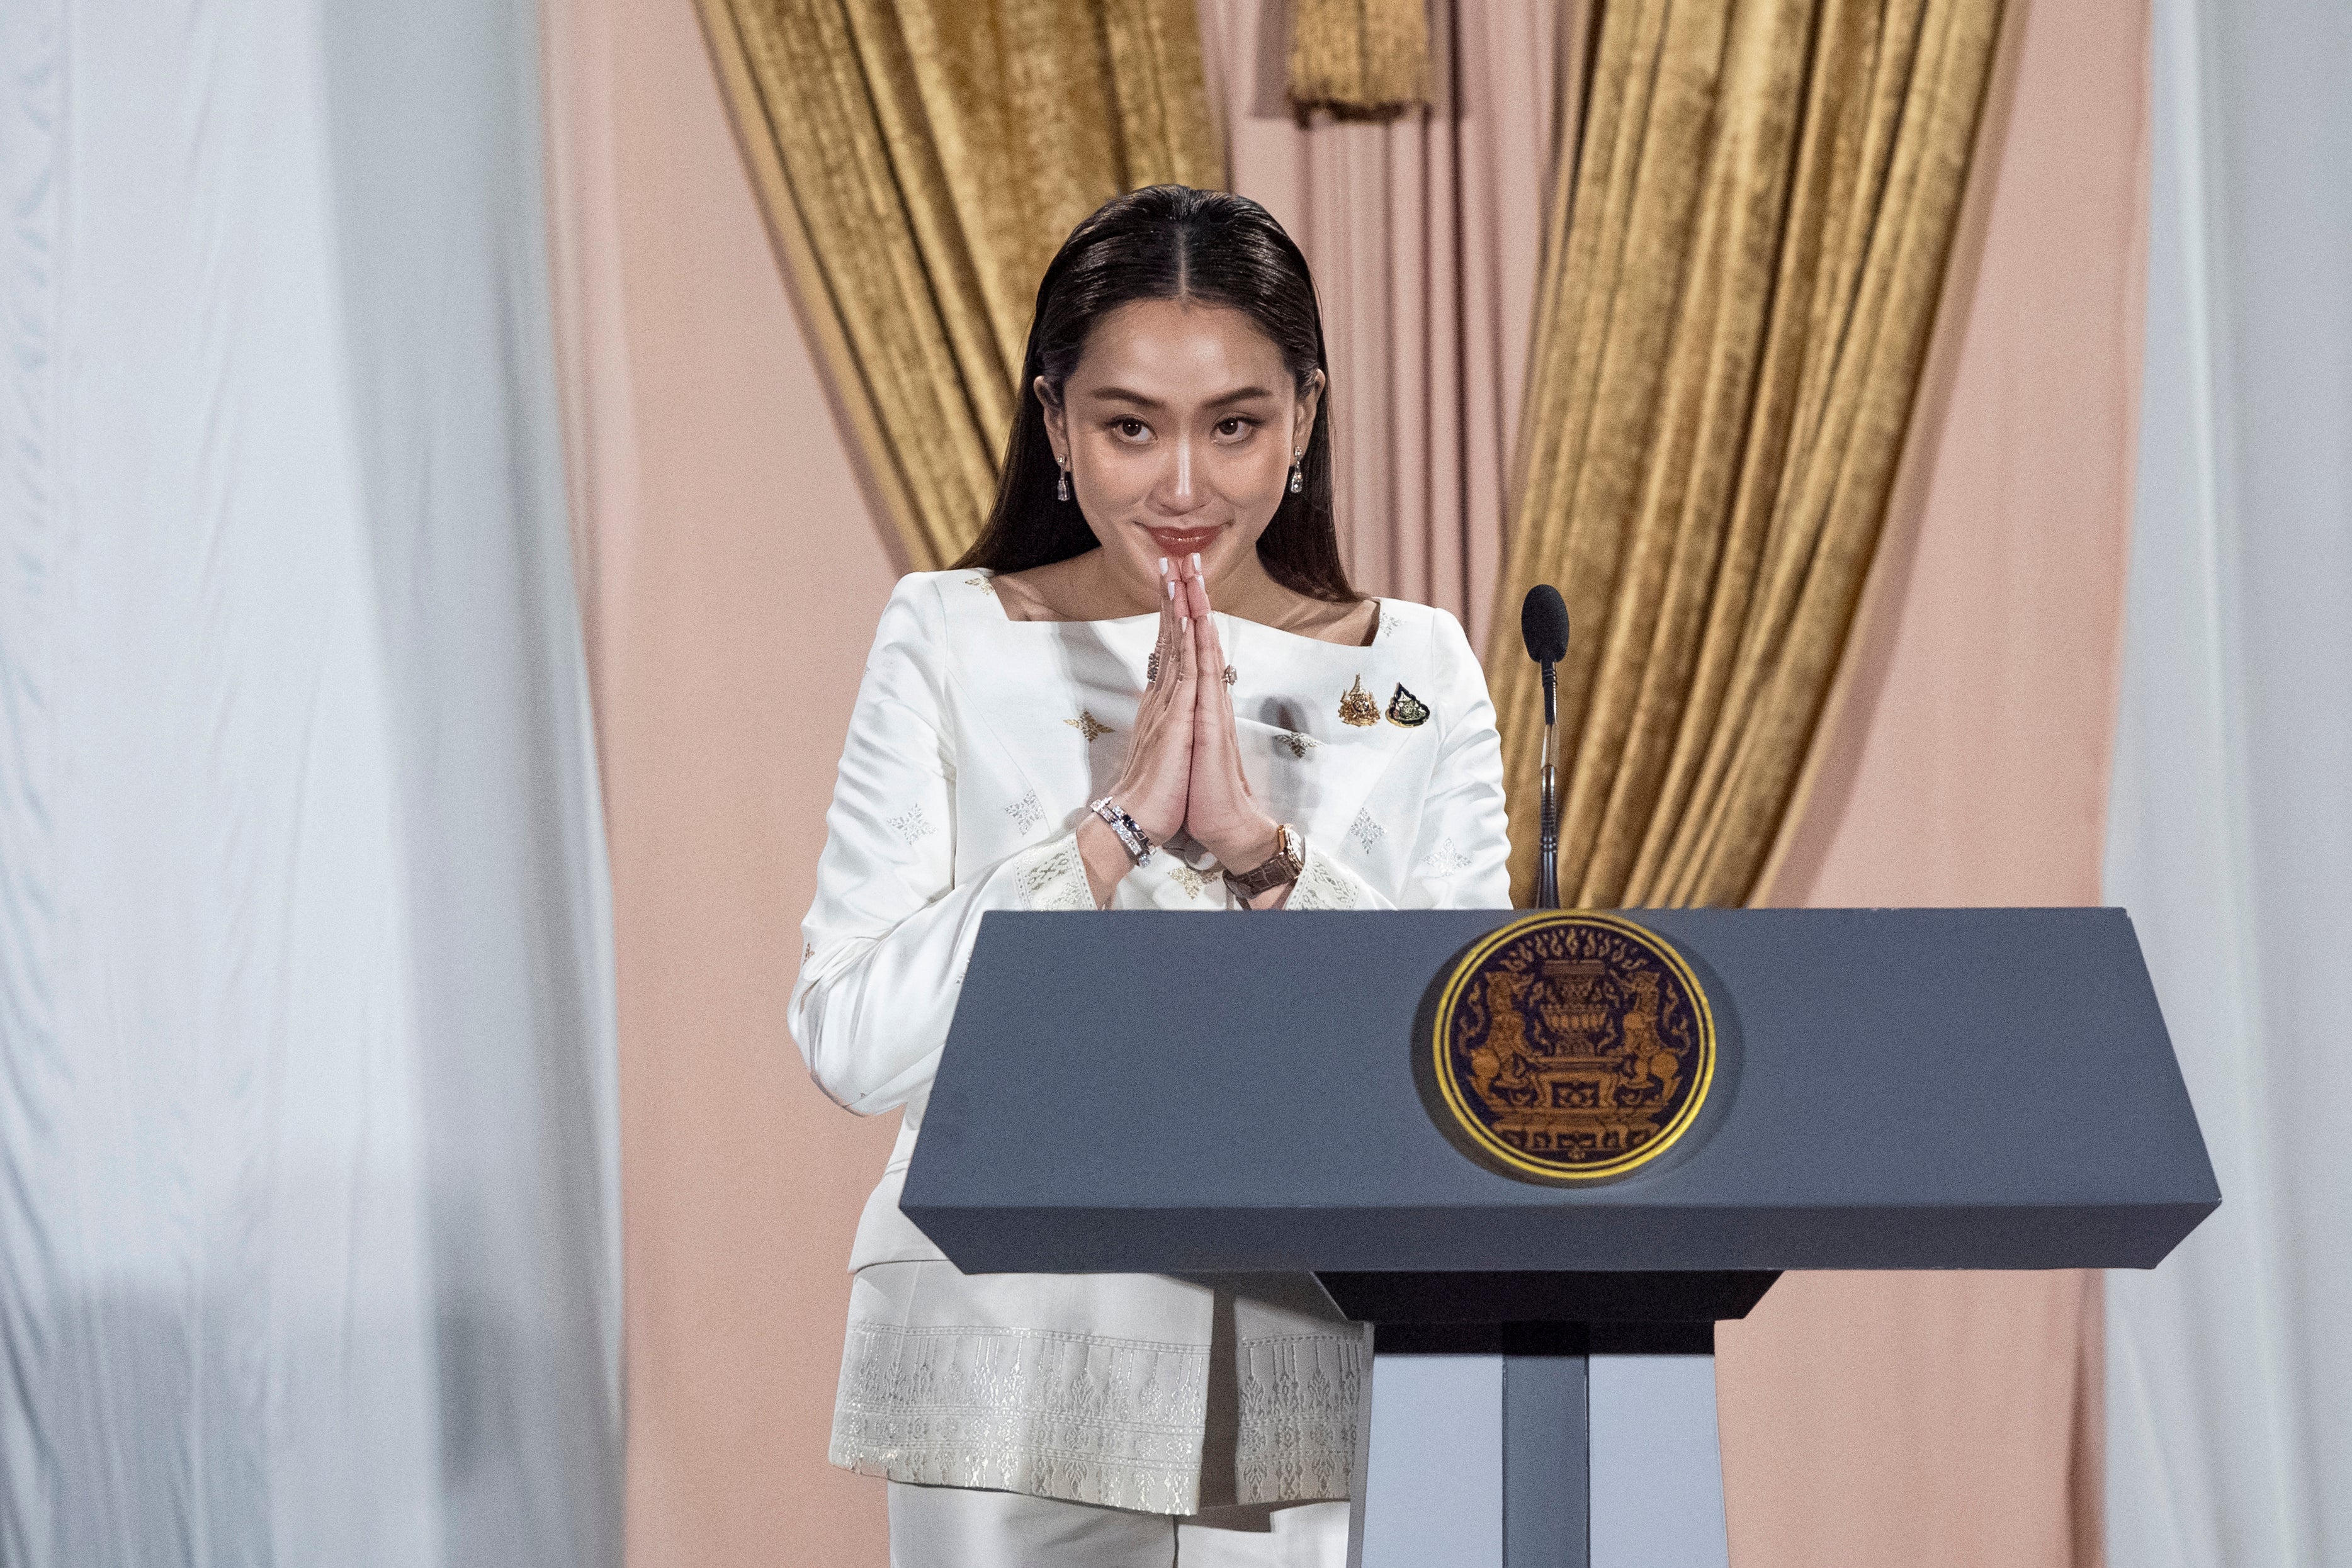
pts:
pixel 1183 770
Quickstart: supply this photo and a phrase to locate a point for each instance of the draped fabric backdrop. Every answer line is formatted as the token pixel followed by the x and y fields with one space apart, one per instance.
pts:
pixel 1359 58
pixel 736 572
pixel 1740 281
pixel 920 162
pixel 2229 1436
pixel 1874 1419
pixel 1425 233
pixel 1935 1419
pixel 308 1239
pixel 307 1216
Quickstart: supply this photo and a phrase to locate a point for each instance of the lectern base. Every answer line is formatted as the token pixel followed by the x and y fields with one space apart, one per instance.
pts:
pixel 1542 1418
pixel 1656 1477
pixel 1571 1447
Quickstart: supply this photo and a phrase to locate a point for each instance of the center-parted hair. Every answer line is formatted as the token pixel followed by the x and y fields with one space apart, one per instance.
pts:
pixel 1167 242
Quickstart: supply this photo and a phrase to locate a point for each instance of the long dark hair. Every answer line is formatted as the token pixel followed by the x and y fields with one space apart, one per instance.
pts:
pixel 1167 242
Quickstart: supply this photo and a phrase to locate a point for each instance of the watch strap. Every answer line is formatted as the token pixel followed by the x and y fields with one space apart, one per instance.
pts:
pixel 1280 868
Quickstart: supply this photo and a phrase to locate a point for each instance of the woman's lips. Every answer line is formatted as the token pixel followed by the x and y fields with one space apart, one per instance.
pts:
pixel 1182 542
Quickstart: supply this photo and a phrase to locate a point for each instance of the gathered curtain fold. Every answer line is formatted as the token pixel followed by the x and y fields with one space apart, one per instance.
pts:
pixel 1739 285
pixel 919 163
pixel 1358 58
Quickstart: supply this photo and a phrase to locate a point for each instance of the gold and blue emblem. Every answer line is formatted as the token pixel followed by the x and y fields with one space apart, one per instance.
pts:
pixel 1407 711
pixel 1570 1046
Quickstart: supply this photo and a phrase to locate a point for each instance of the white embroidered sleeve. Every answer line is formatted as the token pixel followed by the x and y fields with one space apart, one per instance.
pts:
pixel 1325 884
pixel 885 941
pixel 1052 875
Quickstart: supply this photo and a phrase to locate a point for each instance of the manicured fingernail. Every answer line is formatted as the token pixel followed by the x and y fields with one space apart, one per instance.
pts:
pixel 1196 563
pixel 1172 581
pixel 1163 566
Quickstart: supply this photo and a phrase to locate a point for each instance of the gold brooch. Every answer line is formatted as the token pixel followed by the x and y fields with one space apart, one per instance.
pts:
pixel 1407 711
pixel 1087 725
pixel 1357 706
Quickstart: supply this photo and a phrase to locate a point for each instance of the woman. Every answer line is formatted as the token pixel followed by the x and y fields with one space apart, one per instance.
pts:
pixel 1147 686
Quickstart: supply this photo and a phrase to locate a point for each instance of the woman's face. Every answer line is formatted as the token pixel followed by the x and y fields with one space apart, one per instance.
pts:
pixel 1178 427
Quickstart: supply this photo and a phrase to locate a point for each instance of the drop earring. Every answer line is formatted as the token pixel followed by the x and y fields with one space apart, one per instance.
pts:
pixel 1297 469
pixel 1062 484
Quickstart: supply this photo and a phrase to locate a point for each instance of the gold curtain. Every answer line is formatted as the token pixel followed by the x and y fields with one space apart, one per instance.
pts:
pixel 1362 60
pixel 1739 285
pixel 920 162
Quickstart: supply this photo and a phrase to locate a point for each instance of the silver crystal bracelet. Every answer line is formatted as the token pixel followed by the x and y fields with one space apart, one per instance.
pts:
pixel 1131 838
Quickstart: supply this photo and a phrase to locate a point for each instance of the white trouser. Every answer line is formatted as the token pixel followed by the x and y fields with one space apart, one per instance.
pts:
pixel 961 1527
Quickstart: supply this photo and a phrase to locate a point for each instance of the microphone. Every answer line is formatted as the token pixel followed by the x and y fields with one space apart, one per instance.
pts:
pixel 1543 627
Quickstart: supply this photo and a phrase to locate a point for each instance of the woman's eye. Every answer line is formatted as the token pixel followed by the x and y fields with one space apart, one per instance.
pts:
pixel 1234 427
pixel 1131 429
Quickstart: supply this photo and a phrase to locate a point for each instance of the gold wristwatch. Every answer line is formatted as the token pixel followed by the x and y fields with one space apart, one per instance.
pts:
pixel 1282 867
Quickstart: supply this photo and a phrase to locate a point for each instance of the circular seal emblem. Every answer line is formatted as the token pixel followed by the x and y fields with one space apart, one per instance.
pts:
pixel 1570 1046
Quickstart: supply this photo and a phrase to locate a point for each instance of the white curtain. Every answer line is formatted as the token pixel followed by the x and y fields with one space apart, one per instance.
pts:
pixel 309 1247
pixel 2230 839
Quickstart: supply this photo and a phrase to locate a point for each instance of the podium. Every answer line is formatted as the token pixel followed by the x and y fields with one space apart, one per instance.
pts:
pixel 1895 1089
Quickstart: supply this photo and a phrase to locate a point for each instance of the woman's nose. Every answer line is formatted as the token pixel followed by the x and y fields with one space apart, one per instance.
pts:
pixel 1177 492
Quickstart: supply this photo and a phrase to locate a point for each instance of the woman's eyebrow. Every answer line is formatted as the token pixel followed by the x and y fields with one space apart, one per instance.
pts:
pixel 1120 394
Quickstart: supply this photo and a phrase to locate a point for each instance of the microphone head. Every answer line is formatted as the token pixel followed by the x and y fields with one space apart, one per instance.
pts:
pixel 1543 625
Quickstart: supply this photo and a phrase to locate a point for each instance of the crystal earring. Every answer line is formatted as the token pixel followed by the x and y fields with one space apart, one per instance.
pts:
pixel 1297 469
pixel 1062 484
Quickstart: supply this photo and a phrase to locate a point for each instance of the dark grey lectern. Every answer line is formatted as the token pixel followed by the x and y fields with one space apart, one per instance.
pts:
pixel 1896 1089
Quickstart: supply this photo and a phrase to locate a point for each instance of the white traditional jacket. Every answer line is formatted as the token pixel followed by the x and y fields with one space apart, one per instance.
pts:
pixel 976 744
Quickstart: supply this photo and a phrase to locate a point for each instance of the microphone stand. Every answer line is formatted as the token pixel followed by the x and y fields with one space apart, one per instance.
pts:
pixel 1548 844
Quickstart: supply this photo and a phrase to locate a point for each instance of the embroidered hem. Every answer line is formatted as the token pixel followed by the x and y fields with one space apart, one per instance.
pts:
pixel 1084 1418
pixel 1300 1399
pixel 1053 876
pixel 1322 886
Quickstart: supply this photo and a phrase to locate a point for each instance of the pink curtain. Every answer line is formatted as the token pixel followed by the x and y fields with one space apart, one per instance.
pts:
pixel 1426 235
pixel 732 573
pixel 1931 1419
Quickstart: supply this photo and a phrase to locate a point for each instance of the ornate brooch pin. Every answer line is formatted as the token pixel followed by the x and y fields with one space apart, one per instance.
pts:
pixel 1406 710
pixel 1357 706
